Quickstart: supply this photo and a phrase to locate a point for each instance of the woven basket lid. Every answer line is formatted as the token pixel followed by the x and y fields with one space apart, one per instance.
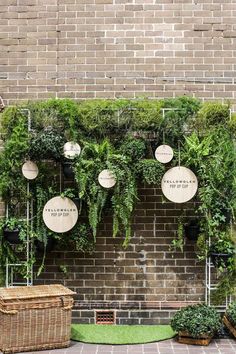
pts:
pixel 36 291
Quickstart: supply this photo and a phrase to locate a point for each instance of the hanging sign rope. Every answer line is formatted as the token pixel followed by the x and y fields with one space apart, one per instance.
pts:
pixel 106 179
pixel 30 170
pixel 60 214
pixel 164 153
pixel 71 150
pixel 179 184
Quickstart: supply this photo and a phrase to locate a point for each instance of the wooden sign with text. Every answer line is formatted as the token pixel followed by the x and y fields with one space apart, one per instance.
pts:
pixel 106 179
pixel 71 150
pixel 164 153
pixel 179 184
pixel 60 214
pixel 30 170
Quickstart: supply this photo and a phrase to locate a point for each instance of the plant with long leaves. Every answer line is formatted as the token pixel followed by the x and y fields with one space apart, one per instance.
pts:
pixel 93 159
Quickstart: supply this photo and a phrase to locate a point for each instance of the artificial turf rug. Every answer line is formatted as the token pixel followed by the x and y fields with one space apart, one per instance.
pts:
pixel 120 334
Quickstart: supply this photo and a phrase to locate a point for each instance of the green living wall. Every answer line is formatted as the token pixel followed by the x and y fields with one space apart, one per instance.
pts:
pixel 121 136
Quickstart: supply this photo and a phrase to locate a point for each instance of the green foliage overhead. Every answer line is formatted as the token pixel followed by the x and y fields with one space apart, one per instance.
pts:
pixel 197 320
pixel 179 118
pixel 212 114
pixel 58 115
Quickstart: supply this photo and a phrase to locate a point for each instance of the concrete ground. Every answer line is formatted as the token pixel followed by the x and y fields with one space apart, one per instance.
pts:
pixel 218 346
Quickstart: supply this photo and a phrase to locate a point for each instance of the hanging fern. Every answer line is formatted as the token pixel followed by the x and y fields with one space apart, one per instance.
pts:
pixel 93 159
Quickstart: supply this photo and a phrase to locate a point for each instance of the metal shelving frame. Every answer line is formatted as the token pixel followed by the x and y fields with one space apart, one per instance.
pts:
pixel 211 284
pixel 11 267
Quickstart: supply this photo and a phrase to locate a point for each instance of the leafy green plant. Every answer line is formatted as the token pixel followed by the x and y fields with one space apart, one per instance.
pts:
pixel 178 242
pixel 197 320
pixel 232 124
pixel 12 254
pixel 82 239
pixel 222 253
pixel 63 269
pixel 231 313
pixel 69 193
pixel 146 115
pixel 150 171
pixel 133 148
pixel 60 115
pixel 14 224
pixel 212 114
pixel 226 286
pixel 93 159
pixel 213 158
pixel 222 244
pixel 179 117
pixel 46 145
pixel 103 118
pixel 12 158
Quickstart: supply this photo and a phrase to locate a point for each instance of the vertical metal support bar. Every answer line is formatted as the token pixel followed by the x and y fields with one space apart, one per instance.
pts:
pixel 29 225
pixel 12 276
pixel 209 279
pixel 206 283
pixel 7 274
pixel 31 245
pixel 60 178
pixel 7 211
pixel 29 120
pixel 27 239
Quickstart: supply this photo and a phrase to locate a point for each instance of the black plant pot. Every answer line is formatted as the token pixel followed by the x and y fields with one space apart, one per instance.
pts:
pixel 68 170
pixel 77 202
pixel 221 259
pixel 12 236
pixel 40 245
pixel 192 231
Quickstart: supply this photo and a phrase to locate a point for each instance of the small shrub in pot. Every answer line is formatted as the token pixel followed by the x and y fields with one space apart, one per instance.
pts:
pixel 197 321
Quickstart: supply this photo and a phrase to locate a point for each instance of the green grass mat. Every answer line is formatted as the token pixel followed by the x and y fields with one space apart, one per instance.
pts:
pixel 120 334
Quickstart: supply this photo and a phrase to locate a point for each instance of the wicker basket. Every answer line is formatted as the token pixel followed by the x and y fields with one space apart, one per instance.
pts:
pixel 35 318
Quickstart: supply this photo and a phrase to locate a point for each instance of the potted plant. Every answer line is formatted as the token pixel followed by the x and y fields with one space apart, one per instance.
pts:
pixel 222 251
pixel 229 318
pixel 14 230
pixel 67 167
pixel 196 324
pixel 192 229
pixel 41 247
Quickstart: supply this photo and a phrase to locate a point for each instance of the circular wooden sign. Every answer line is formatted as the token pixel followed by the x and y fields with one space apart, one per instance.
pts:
pixel 179 184
pixel 164 153
pixel 71 150
pixel 60 214
pixel 106 179
pixel 30 170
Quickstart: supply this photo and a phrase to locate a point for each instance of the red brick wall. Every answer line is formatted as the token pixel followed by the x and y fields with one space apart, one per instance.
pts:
pixel 143 284
pixel 117 48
